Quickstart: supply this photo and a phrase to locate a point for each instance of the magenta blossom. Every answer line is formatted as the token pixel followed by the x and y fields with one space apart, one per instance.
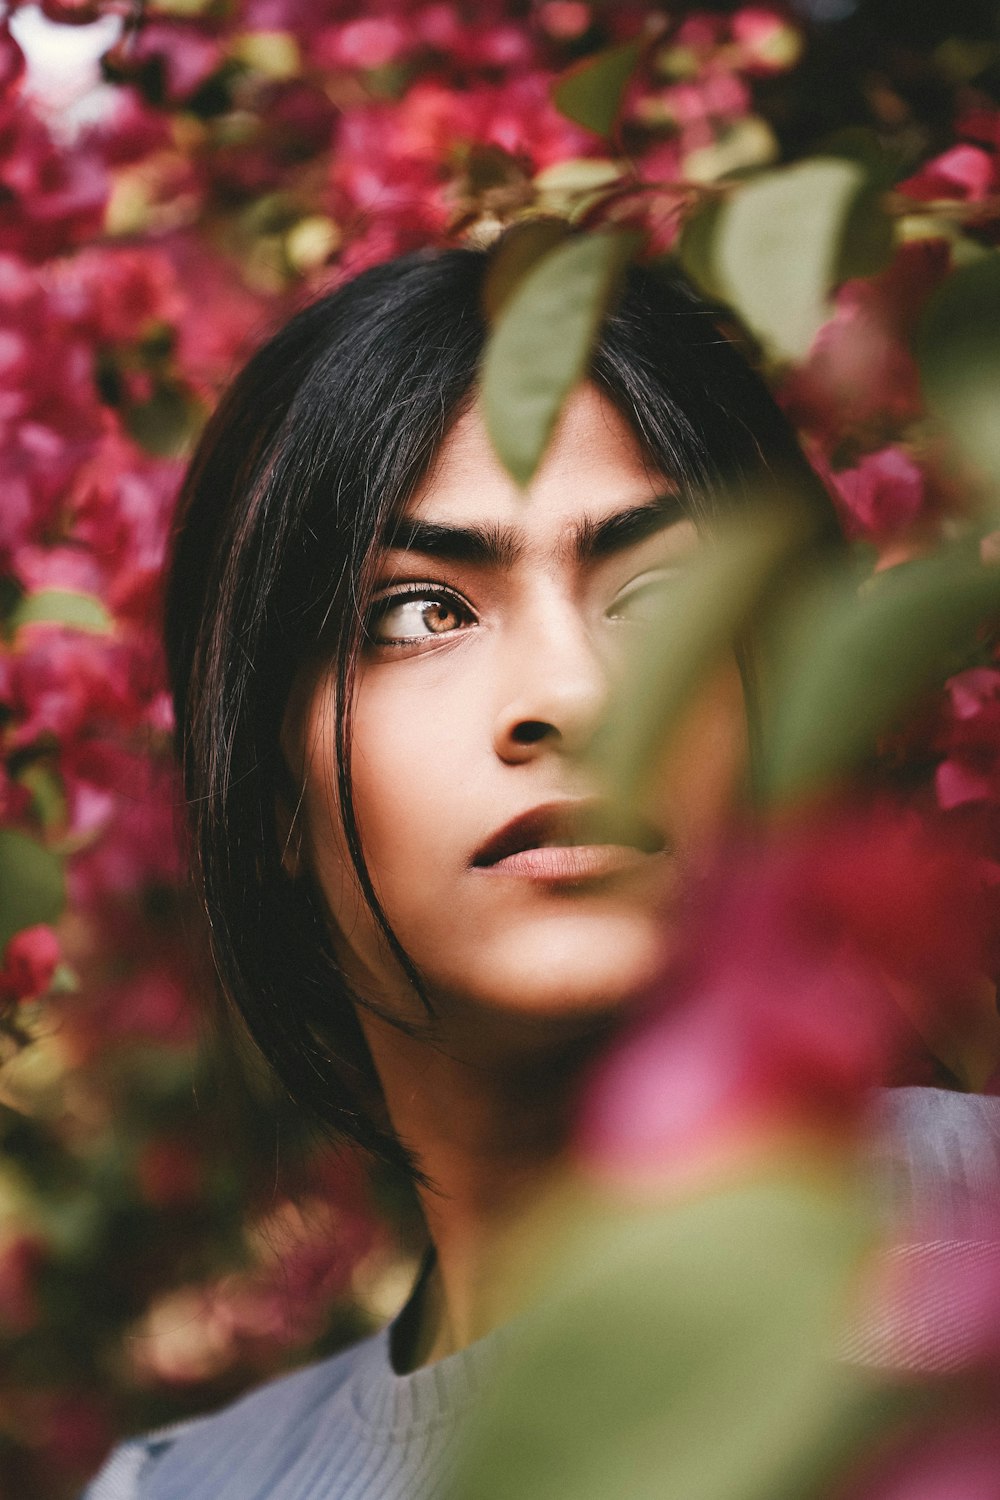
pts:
pixel 884 496
pixel 785 1007
pixel 965 172
pixel 29 962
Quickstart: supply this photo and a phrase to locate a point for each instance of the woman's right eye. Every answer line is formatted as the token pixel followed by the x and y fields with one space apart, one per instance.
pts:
pixel 415 617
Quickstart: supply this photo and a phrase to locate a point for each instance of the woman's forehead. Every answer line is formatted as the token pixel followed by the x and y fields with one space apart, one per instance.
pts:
pixel 593 467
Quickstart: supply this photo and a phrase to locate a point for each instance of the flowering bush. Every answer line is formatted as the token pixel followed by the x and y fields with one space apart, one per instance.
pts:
pixel 235 160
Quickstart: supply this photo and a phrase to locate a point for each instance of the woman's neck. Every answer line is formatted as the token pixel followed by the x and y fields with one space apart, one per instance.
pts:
pixel 486 1117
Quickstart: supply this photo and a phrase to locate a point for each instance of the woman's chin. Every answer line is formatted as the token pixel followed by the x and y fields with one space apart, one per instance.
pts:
pixel 568 968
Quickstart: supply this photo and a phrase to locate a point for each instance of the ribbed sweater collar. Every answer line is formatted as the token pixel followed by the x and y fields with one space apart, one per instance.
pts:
pixel 396 1405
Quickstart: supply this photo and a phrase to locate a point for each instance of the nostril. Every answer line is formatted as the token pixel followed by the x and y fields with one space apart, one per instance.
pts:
pixel 530 731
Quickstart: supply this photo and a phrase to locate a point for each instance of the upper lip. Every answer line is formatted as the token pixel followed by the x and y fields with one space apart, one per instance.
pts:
pixel 585 821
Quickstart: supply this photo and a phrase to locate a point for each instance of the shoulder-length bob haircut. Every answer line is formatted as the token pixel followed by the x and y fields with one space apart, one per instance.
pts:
pixel 294 487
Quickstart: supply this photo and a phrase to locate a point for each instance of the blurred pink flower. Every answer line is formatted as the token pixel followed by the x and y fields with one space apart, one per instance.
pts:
pixel 758 30
pixel 937 1461
pixel 783 1008
pixel 183 53
pixel 963 172
pixel 64 684
pixel 885 495
pixel 53 194
pixel 28 964
pixel 970 738
pixel 11 58
pixel 860 375
pixel 367 42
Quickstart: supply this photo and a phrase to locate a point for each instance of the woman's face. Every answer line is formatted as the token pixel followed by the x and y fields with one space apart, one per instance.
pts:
pixel 494 632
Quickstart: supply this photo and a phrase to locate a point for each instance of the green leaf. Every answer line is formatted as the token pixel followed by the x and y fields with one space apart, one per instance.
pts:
pixel 48 794
pixel 521 248
pixel 958 347
pixel 868 237
pixel 883 163
pixel 32 887
pixel 541 346
pixel 782 241
pixel 166 424
pixel 681 1351
pixel 704 613
pixel 571 188
pixel 62 607
pixel 591 92
pixel 842 664
pixel 696 246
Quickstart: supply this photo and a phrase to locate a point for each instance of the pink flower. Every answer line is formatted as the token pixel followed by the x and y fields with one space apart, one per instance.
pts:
pixel 63 683
pixel 964 172
pixel 127 293
pixel 761 34
pixel 11 59
pixel 565 19
pixel 783 1009
pixel 884 496
pixel 129 130
pixel 937 1461
pixel 183 54
pixel 860 374
pixel 368 42
pixel 53 194
pixel 29 962
pixel 970 738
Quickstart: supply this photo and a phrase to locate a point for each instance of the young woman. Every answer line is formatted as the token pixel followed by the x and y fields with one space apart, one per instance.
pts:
pixel 387 664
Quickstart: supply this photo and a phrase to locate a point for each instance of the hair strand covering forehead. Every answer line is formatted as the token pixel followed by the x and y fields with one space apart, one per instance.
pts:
pixel 311 456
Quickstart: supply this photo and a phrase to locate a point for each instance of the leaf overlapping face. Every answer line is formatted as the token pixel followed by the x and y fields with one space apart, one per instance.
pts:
pixel 542 342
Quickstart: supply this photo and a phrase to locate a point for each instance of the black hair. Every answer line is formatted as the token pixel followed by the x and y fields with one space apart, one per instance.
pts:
pixel 296 482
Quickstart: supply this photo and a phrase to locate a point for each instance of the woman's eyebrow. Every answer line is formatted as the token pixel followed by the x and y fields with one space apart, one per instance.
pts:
pixel 626 528
pixel 491 545
pixel 494 545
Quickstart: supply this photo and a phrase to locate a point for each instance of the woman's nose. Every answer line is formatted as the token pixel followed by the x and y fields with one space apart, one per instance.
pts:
pixel 557 690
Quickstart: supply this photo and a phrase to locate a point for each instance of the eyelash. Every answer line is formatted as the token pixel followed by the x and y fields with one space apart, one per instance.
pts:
pixel 426 593
pixel 431 593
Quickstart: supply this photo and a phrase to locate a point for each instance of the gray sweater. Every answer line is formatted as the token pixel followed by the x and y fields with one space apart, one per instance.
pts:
pixel 350 1428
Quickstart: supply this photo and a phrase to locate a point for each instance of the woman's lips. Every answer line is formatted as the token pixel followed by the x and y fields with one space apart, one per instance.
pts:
pixel 561 864
pixel 570 842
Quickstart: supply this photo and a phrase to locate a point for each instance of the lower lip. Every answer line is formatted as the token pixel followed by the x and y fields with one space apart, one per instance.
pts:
pixel 569 864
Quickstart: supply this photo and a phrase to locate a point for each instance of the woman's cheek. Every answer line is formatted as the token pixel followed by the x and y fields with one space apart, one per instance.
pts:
pixel 700 778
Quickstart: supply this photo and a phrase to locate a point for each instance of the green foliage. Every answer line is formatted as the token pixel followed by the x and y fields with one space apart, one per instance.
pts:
pixel 541 344
pixel 844 662
pixel 591 92
pixel 681 1350
pixel 62 607
pixel 959 351
pixel 710 605
pixel 778 244
pixel 32 888
pixel 167 423
pixel 519 252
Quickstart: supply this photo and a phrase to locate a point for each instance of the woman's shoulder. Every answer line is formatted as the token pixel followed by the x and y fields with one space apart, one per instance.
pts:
pixel 210 1457
pixel 935 1158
